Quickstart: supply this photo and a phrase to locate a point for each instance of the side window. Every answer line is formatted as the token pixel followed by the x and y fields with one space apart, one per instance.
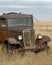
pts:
pixel 2 23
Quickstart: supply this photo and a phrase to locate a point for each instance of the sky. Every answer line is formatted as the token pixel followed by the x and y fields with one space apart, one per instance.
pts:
pixel 40 9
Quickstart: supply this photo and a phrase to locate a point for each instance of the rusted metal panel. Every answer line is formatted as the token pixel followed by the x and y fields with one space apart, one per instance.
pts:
pixel 19 28
pixel 7 16
pixel 3 35
pixel 39 42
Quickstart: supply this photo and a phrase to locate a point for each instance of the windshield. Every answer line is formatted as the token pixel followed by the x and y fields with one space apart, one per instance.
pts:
pixel 19 22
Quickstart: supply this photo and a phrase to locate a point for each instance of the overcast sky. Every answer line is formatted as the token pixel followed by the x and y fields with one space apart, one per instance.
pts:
pixel 41 9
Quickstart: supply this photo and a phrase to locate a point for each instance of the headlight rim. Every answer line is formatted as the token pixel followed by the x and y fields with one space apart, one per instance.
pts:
pixel 20 37
pixel 39 36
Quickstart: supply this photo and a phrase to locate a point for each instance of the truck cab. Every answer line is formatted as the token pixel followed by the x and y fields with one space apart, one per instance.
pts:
pixel 17 29
pixel 17 26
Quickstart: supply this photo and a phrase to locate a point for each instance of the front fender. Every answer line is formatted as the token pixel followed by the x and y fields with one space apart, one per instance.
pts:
pixel 45 39
pixel 11 40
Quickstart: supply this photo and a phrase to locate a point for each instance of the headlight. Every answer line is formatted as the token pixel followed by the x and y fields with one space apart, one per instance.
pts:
pixel 39 36
pixel 20 37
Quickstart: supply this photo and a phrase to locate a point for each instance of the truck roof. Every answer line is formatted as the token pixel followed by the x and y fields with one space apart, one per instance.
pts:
pixel 15 15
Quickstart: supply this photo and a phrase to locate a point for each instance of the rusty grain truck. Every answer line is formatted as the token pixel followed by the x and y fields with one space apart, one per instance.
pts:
pixel 16 29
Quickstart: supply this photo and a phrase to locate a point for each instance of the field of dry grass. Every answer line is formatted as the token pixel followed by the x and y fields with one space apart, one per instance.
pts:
pixel 30 58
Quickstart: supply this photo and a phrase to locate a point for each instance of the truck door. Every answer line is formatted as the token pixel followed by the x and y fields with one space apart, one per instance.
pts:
pixel 3 30
pixel 3 35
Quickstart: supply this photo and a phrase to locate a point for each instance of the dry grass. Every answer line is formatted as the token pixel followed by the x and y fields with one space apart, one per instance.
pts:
pixel 30 58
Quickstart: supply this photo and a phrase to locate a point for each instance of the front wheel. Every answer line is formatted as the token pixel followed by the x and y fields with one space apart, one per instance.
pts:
pixel 45 45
